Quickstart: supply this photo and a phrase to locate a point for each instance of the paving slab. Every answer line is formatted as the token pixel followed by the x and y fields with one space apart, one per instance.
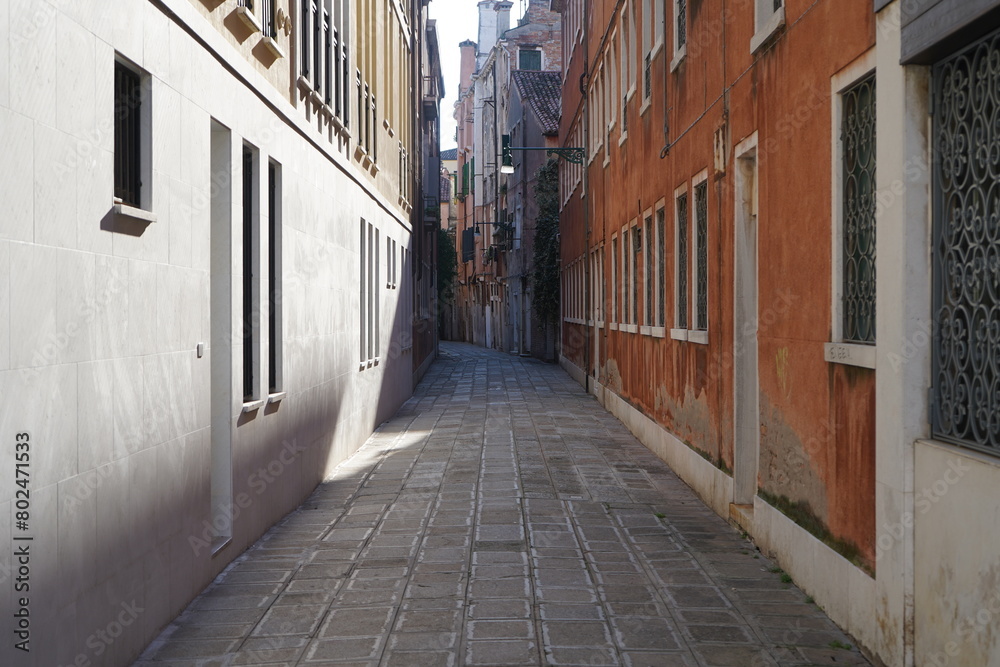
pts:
pixel 502 517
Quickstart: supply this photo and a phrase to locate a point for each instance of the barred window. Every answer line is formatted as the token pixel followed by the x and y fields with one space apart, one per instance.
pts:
pixel 681 318
pixel 128 98
pixel 965 403
pixel 857 136
pixel 701 256
pixel 680 24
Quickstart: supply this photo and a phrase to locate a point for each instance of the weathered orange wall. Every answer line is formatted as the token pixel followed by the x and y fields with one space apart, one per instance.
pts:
pixel 817 418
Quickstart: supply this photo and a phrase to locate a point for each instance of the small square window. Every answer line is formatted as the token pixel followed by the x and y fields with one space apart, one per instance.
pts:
pixel 530 59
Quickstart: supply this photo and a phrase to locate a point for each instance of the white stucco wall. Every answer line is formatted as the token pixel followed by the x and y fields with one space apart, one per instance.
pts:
pixel 98 330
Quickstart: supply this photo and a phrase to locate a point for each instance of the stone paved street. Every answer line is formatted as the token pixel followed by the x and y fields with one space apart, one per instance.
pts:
pixel 502 518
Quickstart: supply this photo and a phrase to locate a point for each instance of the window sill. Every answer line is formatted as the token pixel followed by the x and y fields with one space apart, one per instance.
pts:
pixel 679 334
pixel 622 138
pixel 655 332
pixel 630 328
pixel 613 326
pixel 656 48
pixel 850 354
pixel 678 58
pixel 133 214
pixel 249 20
pixel 767 31
pixel 699 337
pixel 253 406
pixel 271 44
pixel 276 397
pixel 646 103
pixel 304 85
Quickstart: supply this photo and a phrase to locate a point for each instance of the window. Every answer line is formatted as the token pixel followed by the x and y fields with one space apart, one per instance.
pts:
pixel 132 161
pixel 636 251
pixel 649 261
pixel 304 13
pixel 250 277
pixel 274 337
pixel 769 16
pixel 660 267
pixel 614 280
pixel 327 60
pixel 681 265
pixel 965 374
pixel 370 294
pixel 529 59
pixel 626 275
pixel 680 32
pixel 701 256
pixel 269 18
pixel 857 140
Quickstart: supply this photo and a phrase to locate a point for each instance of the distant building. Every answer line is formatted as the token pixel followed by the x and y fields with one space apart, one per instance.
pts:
pixel 493 303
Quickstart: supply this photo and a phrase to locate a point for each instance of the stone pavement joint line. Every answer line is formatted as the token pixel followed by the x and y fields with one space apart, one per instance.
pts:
pixel 502 517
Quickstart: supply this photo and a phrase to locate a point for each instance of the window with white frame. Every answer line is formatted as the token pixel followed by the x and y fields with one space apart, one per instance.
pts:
pixel 636 251
pixel 647 47
pixel 649 264
pixel 529 59
pixel 323 53
pixel 626 308
pixel 857 206
pixel 769 16
pixel 699 281
pixel 681 246
pixel 680 30
pixel 615 282
pixel 624 61
pixel 661 284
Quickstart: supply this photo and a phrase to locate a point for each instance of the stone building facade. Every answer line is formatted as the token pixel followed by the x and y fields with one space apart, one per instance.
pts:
pixel 209 256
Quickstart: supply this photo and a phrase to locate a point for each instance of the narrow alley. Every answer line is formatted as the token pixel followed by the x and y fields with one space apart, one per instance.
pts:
pixel 502 517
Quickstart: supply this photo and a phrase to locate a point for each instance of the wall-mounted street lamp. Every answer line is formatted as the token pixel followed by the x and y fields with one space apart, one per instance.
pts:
pixel 572 154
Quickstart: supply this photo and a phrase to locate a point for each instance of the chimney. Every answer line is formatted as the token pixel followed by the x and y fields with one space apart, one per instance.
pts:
pixel 503 17
pixel 487 31
pixel 467 66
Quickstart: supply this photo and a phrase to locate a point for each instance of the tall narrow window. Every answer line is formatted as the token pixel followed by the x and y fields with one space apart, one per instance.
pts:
pixel 363 291
pixel 371 291
pixel 636 254
pixel 680 24
pixel 268 17
pixel 274 347
pixel 317 45
pixel 681 278
pixel 649 260
pixel 377 306
pixel 701 256
pixel 857 135
pixel 304 13
pixel 660 267
pixel 249 277
pixel 614 280
pixel 626 274
pixel 327 59
pixel 128 100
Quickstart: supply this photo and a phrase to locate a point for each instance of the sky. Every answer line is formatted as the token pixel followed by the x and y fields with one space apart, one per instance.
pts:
pixel 456 22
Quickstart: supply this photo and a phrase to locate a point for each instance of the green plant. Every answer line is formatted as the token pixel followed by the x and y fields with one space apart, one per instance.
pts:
pixel 786 578
pixel 660 515
pixel 810 600
pixel 447 265
pixel 836 643
pixel 545 274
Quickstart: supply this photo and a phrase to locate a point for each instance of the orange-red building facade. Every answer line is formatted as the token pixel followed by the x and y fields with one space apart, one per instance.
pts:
pixel 722 145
